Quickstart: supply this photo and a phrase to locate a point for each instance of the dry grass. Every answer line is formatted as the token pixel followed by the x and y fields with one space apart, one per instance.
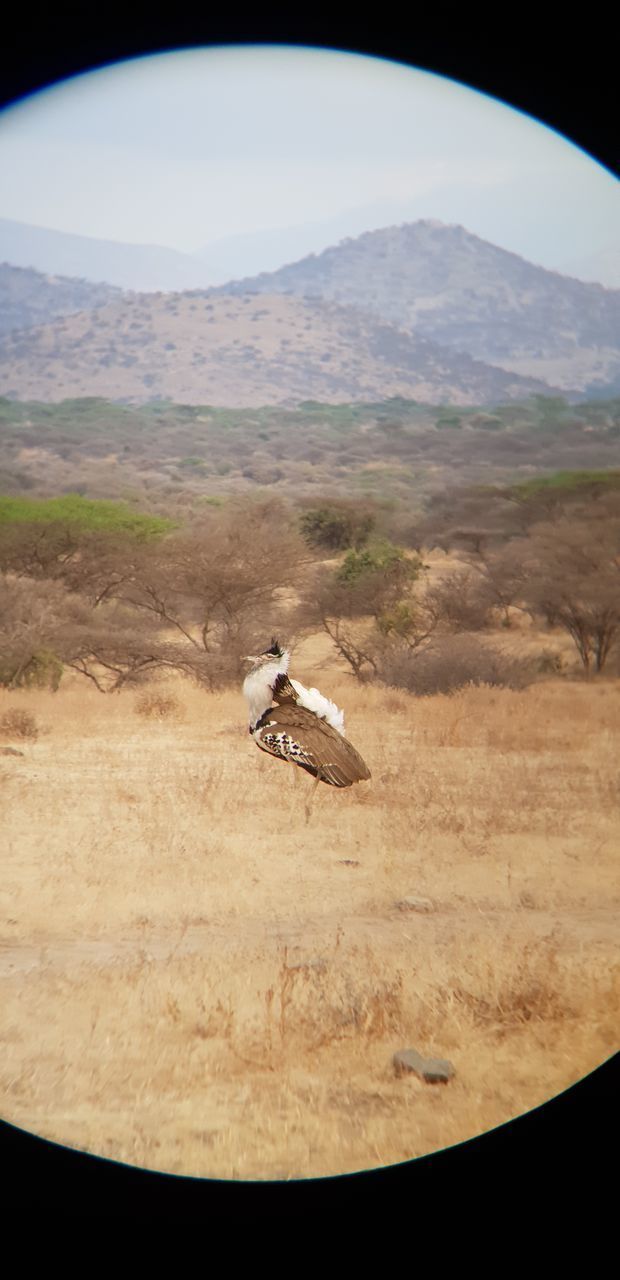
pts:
pixel 158 704
pixel 194 979
pixel 18 723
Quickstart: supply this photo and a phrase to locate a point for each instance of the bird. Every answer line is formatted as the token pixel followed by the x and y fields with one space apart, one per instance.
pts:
pixel 297 724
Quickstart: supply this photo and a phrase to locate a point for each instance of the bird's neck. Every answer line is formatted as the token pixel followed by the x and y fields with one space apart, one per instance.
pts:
pixel 258 687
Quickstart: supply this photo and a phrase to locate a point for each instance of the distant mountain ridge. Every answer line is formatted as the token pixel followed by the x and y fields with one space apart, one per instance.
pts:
pixel 137 267
pixel 29 298
pixel 241 351
pixel 445 284
pixel 423 310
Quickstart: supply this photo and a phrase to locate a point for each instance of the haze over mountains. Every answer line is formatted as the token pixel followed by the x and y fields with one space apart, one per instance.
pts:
pixel 426 311
pixel 147 267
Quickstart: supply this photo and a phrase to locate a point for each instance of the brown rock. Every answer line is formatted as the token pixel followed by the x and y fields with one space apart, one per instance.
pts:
pixel 415 904
pixel 432 1070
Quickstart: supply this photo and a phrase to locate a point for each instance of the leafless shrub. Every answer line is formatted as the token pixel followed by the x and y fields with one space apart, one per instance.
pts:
pixel 209 583
pixel 551 663
pixel 450 663
pixel 468 518
pixel 501 578
pixel 18 723
pixel 461 600
pixel 155 704
pixel 37 619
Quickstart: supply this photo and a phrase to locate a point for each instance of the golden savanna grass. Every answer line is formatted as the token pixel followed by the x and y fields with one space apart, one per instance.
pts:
pixel 197 979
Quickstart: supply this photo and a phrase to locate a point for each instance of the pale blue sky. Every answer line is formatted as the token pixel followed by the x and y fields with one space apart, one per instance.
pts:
pixel 181 149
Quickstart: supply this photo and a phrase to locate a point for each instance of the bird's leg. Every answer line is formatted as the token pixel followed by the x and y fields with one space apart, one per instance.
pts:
pixel 311 796
pixel 294 787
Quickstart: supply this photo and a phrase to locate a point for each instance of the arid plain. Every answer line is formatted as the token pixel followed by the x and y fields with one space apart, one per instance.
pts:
pixel 198 977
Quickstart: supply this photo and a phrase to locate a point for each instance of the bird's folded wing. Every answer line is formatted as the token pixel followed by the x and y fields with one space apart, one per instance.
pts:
pixel 298 735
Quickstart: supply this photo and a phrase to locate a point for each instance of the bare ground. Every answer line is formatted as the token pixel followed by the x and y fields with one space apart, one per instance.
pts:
pixel 196 978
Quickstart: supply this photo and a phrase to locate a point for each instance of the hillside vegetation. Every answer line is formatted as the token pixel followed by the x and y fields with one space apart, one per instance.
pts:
pixel 167 456
pixel 445 284
pixel 423 311
pixel 246 350
pixel 119 595
pixel 29 298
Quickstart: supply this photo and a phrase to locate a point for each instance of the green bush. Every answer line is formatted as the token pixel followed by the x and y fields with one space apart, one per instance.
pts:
pixel 336 527
pixel 83 513
pixel 381 558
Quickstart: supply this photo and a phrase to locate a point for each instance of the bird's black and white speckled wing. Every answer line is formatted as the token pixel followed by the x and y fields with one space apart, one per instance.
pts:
pixel 290 732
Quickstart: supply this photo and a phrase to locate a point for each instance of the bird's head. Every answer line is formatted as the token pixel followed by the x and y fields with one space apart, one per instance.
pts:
pixel 274 655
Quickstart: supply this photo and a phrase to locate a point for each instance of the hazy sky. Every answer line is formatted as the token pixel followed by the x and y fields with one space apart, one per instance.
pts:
pixel 181 149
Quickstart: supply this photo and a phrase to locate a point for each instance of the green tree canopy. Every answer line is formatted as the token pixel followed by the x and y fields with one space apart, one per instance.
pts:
pixel 88 514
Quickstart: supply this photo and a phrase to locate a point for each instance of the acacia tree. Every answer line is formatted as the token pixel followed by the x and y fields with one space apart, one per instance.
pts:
pixel 220 584
pixel 44 628
pixel 573 575
pixel 469 518
pixel 36 550
pixel 413 634
pixel 125 606
pixel 461 600
pixel 92 549
pixel 116 648
pixel 33 618
pixel 501 576
pixel 336 525
pixel 353 604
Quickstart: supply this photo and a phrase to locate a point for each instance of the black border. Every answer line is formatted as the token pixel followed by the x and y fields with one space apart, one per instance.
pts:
pixel 565 76
pixel 564 1148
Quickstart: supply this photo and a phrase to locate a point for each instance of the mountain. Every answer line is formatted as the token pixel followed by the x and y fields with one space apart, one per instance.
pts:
pixel 28 298
pixel 423 310
pixel 445 284
pixel 141 267
pixel 248 253
pixel 241 350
